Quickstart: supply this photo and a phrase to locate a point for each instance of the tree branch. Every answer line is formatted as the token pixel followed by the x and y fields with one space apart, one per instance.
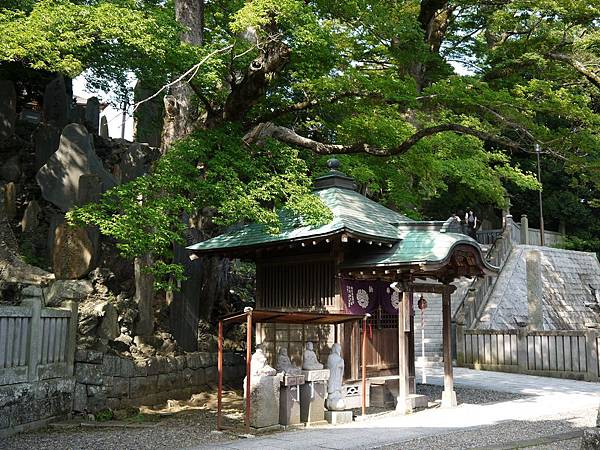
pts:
pixel 269 130
pixel 590 75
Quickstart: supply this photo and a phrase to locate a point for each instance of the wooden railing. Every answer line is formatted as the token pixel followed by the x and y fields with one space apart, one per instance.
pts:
pixel 36 343
pixel 564 354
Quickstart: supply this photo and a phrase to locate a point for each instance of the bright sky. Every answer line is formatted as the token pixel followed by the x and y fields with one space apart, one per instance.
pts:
pixel 113 115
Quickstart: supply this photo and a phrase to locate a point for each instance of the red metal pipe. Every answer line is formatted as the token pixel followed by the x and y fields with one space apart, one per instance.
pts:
pixel 364 367
pixel 248 367
pixel 220 368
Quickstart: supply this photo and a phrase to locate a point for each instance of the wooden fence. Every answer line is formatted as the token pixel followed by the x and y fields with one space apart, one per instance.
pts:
pixel 36 343
pixel 563 354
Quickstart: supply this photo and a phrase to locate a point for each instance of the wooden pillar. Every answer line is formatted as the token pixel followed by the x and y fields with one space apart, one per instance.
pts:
pixel 448 395
pixel 404 403
pixel 220 372
pixel 248 367
pixel 363 355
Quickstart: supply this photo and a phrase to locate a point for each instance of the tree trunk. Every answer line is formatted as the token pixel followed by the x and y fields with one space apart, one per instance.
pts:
pixel 206 277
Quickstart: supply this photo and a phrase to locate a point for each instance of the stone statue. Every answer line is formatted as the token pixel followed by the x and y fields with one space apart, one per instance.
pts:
pixel 284 364
pixel 335 394
pixel 260 368
pixel 309 359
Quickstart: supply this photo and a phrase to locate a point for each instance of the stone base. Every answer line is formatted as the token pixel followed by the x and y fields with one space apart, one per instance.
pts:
pixel 448 399
pixel 264 401
pixel 419 401
pixel 289 405
pixel 316 375
pixel 312 402
pixel 338 417
pixel 404 405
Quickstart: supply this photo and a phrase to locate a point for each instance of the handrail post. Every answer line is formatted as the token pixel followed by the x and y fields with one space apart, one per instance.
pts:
pixel 524 230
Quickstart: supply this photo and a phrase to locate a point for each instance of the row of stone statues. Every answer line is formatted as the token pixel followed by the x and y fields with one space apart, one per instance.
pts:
pixel 335 364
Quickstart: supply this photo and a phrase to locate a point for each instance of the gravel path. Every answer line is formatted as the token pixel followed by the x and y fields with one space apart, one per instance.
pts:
pixel 184 428
pixel 510 434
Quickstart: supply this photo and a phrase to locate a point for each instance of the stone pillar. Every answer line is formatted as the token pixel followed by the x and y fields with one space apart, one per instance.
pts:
pixel 10 200
pixel 104 127
pixel 30 222
pixel 562 226
pixel 460 338
pixel 524 230
pixel 448 395
pixel 35 337
pixel 522 348
pixel 72 336
pixel 92 115
pixel 591 337
pixel 57 102
pixel 534 291
pixel 404 404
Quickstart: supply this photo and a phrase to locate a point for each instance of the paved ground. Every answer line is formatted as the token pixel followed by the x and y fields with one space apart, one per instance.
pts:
pixel 549 417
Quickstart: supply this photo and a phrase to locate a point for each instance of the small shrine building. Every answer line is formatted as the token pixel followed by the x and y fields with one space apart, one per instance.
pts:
pixel 368 260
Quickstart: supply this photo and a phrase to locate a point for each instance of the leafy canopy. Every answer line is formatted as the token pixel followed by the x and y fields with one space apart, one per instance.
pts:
pixel 450 96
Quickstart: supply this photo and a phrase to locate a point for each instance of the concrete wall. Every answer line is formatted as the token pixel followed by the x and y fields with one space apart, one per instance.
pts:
pixel 108 381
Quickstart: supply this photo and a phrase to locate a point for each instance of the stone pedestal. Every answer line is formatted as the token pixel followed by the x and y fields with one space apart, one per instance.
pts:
pixel 264 401
pixel 289 399
pixel 338 417
pixel 448 399
pixel 312 396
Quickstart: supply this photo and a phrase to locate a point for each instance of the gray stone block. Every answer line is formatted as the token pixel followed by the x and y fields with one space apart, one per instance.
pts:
pixel 88 356
pixel 264 400
pixel 118 387
pixel 126 368
pixel 152 366
pixel 312 402
pixel 338 417
pixel 188 376
pixel 198 377
pixel 142 386
pixel 211 374
pixel 163 364
pixel 88 373
pixel 181 362
pixel 111 365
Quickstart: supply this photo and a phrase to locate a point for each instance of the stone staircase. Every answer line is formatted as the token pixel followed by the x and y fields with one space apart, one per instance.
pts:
pixel 432 319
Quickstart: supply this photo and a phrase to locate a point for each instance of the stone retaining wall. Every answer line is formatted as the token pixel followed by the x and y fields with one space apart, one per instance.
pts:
pixel 107 381
pixel 25 406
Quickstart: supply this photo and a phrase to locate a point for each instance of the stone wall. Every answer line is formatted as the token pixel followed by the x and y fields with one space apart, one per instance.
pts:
pixel 26 406
pixel 108 381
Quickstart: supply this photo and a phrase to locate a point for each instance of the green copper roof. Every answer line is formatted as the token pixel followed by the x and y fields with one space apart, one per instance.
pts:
pixel 415 246
pixel 352 212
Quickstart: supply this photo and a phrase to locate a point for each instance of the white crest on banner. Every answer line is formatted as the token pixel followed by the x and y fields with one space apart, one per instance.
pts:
pixel 362 297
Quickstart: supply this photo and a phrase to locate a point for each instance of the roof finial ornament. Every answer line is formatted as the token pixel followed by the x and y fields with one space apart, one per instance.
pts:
pixel 333 164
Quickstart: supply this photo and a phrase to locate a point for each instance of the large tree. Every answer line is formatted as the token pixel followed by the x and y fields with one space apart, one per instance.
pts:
pixel 419 95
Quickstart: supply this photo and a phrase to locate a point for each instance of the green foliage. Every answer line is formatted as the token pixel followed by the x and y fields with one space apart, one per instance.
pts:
pixel 367 73
pixel 210 170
